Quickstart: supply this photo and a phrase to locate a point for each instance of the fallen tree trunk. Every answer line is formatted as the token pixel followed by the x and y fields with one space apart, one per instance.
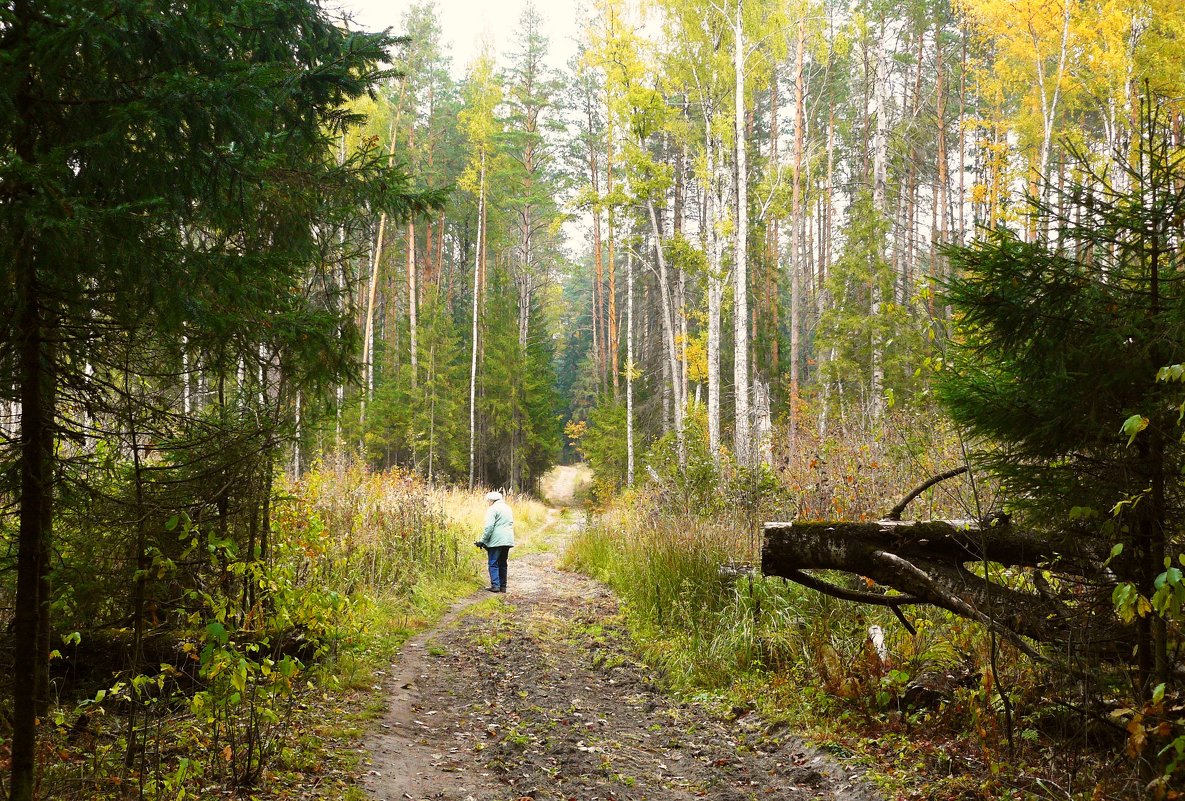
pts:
pixel 942 563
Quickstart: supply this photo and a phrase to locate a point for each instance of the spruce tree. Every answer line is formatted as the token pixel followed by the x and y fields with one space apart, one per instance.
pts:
pixel 1058 344
pixel 165 181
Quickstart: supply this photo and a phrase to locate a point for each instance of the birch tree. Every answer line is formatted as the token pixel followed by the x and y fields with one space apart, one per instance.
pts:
pixel 480 126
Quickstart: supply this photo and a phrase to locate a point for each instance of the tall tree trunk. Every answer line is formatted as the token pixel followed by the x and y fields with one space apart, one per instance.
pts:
pixel 611 346
pixel 186 379
pixel 296 455
pixel 1049 105
pixel 796 215
pixel 677 231
pixel 345 297
pixel 941 188
pixel 629 367
pixel 668 328
pixel 879 167
pixel 477 262
pixel 35 461
pixel 773 248
pixel 372 294
pixel 962 143
pixel 142 562
pixel 715 288
pixel 412 303
pixel 742 440
pixel 38 375
pixel 598 264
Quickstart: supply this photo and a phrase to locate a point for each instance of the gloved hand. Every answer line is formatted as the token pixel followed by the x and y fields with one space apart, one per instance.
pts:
pixel 479 544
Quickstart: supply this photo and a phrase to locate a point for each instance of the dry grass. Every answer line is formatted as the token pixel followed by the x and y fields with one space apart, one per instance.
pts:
pixel 466 511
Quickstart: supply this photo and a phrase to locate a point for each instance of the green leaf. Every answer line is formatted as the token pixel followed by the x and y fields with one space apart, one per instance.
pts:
pixel 1132 426
pixel 217 632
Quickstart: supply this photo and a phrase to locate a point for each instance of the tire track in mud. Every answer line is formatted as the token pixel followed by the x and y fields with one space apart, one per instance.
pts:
pixel 535 694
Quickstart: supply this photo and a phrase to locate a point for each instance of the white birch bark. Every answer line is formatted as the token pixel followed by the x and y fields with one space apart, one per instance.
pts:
pixel 629 367
pixel 263 376
pixel 186 379
pixel 340 278
pixel 796 214
pixel 296 443
pixel 715 292
pixel 742 440
pixel 880 140
pixel 412 301
pixel 371 295
pixel 1049 105
pixel 368 334
pixel 481 214
pixel 763 435
pixel 668 329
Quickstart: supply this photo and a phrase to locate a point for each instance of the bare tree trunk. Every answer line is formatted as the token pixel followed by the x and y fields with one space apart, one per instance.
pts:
pixel 611 335
pixel 742 440
pixel 368 340
pixel 30 670
pixel 764 422
pixel 186 379
pixel 477 259
pixel 296 455
pixel 681 287
pixel 796 214
pixel 962 143
pixel 1049 106
pixel 715 290
pixel 598 265
pixel 664 290
pixel 941 188
pixel 773 239
pixel 629 367
pixel 879 167
pixel 412 302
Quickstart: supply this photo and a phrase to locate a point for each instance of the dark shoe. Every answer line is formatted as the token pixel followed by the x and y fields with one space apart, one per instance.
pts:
pixel 502 589
pixel 492 589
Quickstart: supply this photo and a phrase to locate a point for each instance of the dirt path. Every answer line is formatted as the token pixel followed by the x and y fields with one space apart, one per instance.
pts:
pixel 535 694
pixel 561 484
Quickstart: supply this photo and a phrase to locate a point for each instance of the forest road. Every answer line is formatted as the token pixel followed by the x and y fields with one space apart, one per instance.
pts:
pixel 537 694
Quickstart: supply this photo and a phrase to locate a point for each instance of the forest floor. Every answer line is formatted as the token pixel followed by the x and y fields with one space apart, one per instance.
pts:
pixel 538 694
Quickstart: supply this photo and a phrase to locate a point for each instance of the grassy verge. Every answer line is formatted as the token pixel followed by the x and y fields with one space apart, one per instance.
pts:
pixel 262 692
pixel 925 717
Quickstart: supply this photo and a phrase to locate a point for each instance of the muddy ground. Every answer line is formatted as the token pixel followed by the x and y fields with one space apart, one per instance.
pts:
pixel 537 694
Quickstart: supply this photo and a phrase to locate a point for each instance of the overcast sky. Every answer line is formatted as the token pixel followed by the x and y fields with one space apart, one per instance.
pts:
pixel 465 24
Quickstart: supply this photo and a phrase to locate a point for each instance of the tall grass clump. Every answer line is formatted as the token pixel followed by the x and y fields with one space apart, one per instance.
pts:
pixel 681 553
pixel 699 614
pixel 375 532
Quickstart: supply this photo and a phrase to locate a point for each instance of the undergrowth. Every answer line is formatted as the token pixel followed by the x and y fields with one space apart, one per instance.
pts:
pixel 925 711
pixel 265 699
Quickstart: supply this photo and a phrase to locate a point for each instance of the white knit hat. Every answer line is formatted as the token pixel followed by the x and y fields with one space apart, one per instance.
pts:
pixel 493 496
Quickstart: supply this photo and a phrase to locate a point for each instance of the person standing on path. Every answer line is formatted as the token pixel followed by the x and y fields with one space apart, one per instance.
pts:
pixel 497 538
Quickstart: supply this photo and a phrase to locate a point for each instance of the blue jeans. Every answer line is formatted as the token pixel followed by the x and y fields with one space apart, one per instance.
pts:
pixel 498 556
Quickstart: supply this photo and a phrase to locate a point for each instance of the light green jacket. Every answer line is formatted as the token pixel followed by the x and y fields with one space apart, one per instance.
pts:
pixel 499 529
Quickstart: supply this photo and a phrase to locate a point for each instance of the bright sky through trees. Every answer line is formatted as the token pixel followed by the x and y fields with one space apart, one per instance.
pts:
pixel 466 24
